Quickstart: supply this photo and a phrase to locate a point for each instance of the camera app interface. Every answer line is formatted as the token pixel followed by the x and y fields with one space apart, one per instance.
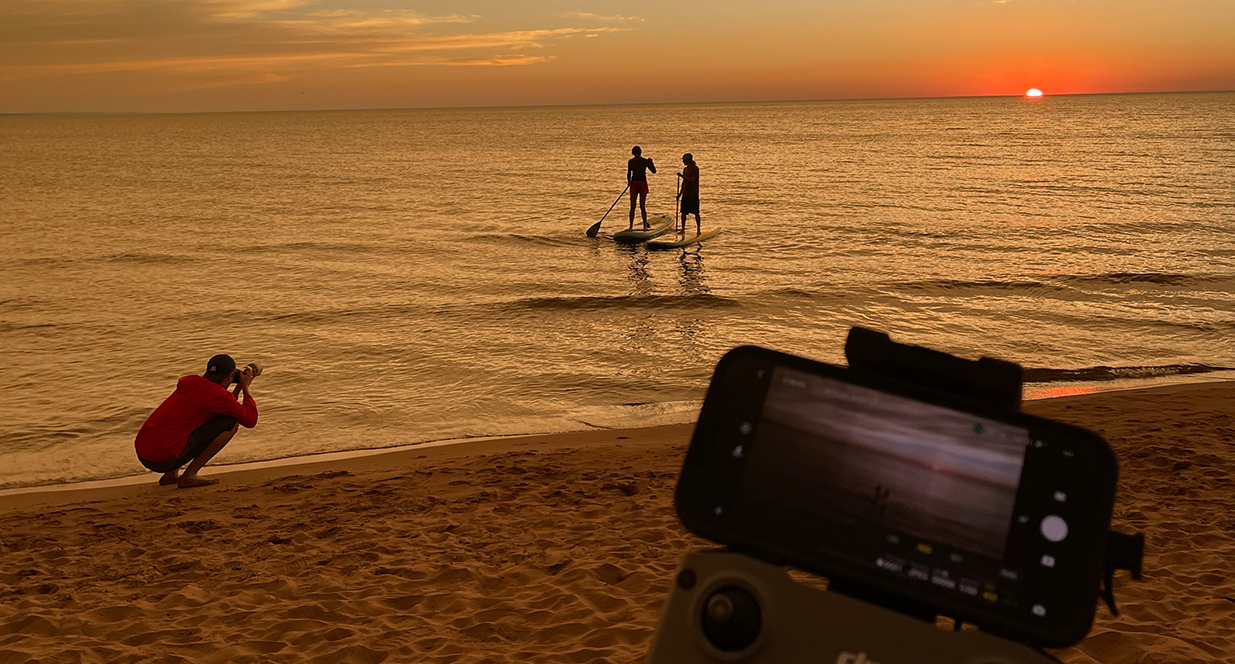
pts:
pixel 869 462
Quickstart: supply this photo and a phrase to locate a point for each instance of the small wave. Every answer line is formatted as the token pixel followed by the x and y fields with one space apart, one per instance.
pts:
pixel 1149 280
pixel 1102 373
pixel 1162 278
pixel 336 315
pixel 1069 284
pixel 145 259
pixel 525 239
pixel 625 302
pixel 343 248
pixel 20 304
pixel 951 286
pixel 9 327
pixel 39 260
pixel 520 305
pixel 788 291
pixel 839 295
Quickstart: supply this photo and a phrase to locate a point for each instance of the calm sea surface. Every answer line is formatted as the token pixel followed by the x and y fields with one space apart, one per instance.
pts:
pixel 423 274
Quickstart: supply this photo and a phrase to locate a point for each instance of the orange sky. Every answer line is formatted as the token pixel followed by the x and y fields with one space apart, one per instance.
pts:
pixel 209 55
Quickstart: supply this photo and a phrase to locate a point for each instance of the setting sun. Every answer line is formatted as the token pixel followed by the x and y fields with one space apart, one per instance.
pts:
pixel 1033 93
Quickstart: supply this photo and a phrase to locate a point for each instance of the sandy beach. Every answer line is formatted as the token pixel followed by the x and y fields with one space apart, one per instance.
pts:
pixel 539 548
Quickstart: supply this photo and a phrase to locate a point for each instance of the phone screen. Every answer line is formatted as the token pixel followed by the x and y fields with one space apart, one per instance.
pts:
pixel 854 456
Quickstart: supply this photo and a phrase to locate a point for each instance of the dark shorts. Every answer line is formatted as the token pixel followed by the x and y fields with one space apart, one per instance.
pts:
pixel 690 205
pixel 638 186
pixel 199 440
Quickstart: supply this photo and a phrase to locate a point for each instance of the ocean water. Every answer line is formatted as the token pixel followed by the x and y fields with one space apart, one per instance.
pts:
pixel 414 275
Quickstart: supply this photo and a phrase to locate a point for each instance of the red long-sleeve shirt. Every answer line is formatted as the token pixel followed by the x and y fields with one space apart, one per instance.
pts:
pixel 195 400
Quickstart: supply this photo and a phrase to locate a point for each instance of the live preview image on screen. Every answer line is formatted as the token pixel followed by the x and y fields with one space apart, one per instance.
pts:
pixel 851 454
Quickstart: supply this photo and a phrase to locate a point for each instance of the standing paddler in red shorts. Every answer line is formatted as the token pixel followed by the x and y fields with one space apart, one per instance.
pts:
pixel 637 178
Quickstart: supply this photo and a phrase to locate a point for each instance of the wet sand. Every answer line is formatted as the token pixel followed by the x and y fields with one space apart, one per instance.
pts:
pixel 541 548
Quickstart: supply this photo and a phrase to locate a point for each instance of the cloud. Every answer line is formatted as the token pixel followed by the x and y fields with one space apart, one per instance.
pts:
pixel 342 20
pixel 441 61
pixel 248 41
pixel 373 54
pixel 248 8
pixel 514 39
pixel 589 16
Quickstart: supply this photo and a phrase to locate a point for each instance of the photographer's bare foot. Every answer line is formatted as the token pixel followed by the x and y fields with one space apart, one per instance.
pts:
pixel 169 478
pixel 187 482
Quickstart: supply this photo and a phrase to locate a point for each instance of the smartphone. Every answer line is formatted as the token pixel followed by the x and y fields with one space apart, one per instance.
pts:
pixel 989 516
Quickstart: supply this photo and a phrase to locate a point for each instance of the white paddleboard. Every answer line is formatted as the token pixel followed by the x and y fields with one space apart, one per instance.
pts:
pixel 659 226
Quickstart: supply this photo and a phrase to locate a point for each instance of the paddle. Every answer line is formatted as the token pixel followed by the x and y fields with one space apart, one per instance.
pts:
pixel 591 232
pixel 677 212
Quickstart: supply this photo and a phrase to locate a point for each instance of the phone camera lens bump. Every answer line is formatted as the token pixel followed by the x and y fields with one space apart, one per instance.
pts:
pixel 732 619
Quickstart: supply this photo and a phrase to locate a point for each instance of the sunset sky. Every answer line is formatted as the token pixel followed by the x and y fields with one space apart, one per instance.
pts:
pixel 210 55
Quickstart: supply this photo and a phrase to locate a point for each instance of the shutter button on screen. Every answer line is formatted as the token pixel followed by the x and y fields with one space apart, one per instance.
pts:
pixel 1054 528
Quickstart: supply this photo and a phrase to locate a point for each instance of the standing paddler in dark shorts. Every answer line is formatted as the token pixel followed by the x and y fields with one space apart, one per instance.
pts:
pixel 637 178
pixel 690 193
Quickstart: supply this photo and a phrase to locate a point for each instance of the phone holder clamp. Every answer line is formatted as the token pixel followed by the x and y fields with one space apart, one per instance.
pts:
pixel 990 382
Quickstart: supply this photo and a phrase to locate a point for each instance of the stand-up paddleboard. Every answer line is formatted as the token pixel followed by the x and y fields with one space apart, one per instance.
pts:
pixel 667 243
pixel 659 226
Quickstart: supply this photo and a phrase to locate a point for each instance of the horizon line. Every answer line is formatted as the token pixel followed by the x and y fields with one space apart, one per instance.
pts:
pixel 657 103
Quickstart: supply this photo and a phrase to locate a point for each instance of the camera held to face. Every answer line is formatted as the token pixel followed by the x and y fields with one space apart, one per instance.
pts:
pixel 254 369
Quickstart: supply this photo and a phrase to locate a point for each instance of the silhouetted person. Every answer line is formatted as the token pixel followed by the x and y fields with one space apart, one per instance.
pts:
pixel 196 422
pixel 637 178
pixel 690 193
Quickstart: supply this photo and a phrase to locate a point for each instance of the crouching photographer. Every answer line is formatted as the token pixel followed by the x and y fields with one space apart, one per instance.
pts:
pixel 197 421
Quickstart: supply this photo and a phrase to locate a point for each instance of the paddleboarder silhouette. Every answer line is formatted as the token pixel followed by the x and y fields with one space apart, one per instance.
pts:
pixel 689 194
pixel 637 179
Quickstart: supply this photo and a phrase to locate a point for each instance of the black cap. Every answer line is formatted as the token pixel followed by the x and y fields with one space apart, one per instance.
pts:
pixel 220 365
pixel 688 157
